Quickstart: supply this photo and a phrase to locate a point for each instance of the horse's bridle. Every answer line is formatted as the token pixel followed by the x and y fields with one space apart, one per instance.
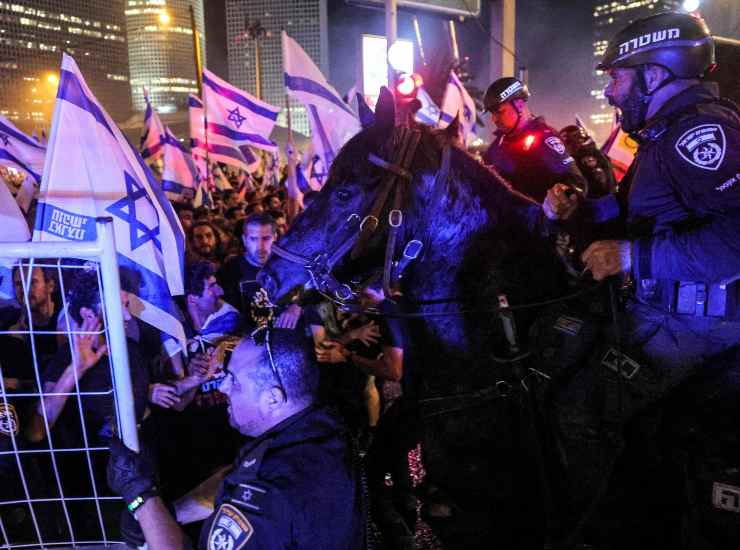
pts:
pixel 404 143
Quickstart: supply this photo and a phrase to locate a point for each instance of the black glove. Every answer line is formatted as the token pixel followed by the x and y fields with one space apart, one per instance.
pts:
pixel 129 474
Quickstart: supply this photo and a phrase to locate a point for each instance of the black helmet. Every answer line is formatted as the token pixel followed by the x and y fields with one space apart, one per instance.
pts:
pixel 677 41
pixel 504 89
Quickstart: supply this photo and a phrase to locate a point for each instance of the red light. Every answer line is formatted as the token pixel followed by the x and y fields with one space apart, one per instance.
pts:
pixel 408 84
pixel 528 141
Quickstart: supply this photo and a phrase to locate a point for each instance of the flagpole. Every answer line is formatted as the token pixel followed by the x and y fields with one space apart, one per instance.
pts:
pixel 197 53
pixel 293 192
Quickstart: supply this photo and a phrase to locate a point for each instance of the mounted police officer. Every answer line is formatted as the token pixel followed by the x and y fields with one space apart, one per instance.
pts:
pixel 676 239
pixel 525 150
pixel 293 485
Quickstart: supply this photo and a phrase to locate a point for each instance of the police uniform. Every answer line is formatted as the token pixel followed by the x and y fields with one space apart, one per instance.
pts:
pixel 533 159
pixel 295 486
pixel 680 208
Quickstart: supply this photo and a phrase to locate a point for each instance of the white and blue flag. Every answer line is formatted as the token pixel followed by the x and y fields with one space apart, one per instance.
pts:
pixel 219 149
pixel 153 136
pixel 91 170
pixel 19 151
pixel 429 112
pixel 179 175
pixel 236 118
pixel 332 120
pixel 458 103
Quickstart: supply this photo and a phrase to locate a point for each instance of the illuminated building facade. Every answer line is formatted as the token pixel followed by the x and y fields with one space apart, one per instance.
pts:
pixel 32 37
pixel 304 20
pixel 160 51
pixel 609 18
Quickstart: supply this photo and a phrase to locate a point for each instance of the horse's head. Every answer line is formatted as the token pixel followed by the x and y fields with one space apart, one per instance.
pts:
pixel 326 232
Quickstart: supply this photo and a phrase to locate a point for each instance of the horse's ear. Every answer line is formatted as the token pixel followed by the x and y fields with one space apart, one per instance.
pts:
pixel 385 111
pixel 367 117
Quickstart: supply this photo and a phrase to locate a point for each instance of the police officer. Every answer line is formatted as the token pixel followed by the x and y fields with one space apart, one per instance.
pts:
pixel 294 485
pixel 679 212
pixel 525 150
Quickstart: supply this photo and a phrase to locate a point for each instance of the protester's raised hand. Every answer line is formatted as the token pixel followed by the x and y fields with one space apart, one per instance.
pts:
pixel 86 355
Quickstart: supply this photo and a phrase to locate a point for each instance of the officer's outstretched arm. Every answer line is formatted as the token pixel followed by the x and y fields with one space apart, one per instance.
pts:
pixel 161 531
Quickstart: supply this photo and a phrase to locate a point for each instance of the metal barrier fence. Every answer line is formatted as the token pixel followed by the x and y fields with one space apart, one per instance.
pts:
pixel 37 506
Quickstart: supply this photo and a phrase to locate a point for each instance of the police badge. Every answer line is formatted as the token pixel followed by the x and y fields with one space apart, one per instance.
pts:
pixel 556 145
pixel 703 146
pixel 230 529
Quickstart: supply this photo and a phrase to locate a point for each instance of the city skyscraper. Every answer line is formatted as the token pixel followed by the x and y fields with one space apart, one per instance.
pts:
pixel 160 51
pixel 304 20
pixel 609 18
pixel 32 37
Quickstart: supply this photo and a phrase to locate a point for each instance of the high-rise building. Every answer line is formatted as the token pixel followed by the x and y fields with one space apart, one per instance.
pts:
pixel 33 33
pixel 304 20
pixel 609 18
pixel 160 50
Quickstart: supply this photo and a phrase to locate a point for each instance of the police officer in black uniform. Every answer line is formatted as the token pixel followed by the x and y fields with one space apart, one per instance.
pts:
pixel 294 485
pixel 525 150
pixel 679 213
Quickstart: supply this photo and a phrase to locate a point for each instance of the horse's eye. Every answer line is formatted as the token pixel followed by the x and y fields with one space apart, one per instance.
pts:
pixel 343 195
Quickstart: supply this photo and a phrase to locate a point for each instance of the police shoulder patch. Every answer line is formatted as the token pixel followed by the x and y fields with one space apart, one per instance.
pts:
pixel 703 146
pixel 9 424
pixel 555 144
pixel 230 529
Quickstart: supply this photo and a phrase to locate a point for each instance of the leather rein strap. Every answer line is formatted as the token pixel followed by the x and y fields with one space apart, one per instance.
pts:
pixel 404 144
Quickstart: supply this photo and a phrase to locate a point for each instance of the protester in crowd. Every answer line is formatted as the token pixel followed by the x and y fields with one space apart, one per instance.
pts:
pixel 42 291
pixel 198 423
pixel 525 150
pixel 204 243
pixel 294 484
pixel 186 216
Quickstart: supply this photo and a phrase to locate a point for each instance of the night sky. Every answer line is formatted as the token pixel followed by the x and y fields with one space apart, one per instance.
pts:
pixel 554 42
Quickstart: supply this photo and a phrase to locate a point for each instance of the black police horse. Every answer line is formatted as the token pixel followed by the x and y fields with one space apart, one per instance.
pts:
pixel 487 445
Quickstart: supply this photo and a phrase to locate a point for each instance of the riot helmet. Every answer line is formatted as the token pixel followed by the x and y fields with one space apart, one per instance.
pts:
pixel 677 41
pixel 503 90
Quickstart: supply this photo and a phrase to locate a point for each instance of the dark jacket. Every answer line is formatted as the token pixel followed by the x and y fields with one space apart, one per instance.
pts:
pixel 533 160
pixel 295 486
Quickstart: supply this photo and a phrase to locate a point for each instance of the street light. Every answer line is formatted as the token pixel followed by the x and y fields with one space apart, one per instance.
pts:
pixel 52 79
pixel 691 5
pixel 164 17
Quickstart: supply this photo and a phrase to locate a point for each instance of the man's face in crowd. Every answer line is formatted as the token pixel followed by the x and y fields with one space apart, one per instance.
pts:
pixel 204 240
pixel 186 219
pixel 505 116
pixel 620 86
pixel 39 294
pixel 275 203
pixel 248 403
pixel 207 302
pixel 258 241
pixel 282 225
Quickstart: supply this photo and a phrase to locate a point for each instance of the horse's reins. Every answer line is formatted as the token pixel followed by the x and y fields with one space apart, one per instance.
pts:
pixel 405 142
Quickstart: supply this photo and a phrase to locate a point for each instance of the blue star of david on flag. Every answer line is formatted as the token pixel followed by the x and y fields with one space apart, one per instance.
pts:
pixel 467 113
pixel 236 117
pixel 5 139
pixel 125 209
pixel 315 172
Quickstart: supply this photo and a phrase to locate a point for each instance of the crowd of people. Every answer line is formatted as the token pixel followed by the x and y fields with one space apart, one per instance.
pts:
pixel 247 387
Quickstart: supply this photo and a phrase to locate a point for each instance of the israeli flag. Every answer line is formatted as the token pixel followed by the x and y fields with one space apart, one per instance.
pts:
pixel 219 149
pixel 234 117
pixel 332 121
pixel 458 103
pixel 429 112
pixel 152 140
pixel 179 177
pixel 91 170
pixel 19 151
